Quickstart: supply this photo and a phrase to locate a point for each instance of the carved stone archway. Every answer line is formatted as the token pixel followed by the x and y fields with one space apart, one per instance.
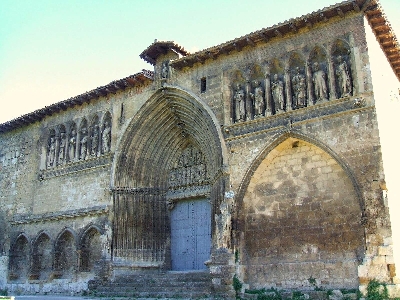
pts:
pixel 144 187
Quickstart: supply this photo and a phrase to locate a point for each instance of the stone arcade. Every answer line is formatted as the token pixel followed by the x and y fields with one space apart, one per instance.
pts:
pixel 258 158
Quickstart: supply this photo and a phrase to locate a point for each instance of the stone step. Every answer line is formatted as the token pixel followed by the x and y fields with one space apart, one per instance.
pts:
pixel 192 285
pixel 157 295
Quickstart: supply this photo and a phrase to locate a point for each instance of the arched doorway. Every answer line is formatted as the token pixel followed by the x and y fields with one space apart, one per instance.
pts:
pixel 167 179
pixel 190 212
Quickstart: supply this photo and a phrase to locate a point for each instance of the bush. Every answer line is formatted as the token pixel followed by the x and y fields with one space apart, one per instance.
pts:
pixel 377 290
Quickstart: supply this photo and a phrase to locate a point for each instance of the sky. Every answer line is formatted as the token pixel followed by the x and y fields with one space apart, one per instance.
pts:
pixel 53 50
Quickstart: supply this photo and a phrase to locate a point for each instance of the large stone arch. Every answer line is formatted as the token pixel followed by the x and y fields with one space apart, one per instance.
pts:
pixel 300 214
pixel 170 122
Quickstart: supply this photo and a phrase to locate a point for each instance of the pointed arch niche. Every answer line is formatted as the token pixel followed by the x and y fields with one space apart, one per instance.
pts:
pixel 42 253
pixel 174 134
pixel 301 215
pixel 19 259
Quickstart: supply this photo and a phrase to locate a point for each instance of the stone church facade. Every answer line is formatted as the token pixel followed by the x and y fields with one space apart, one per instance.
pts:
pixel 258 158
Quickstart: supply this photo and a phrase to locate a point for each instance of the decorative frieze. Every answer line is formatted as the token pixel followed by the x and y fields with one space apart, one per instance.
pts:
pixel 78 166
pixel 317 111
pixel 54 216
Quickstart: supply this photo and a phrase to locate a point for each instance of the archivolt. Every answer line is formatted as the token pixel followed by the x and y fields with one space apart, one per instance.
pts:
pixel 246 180
pixel 168 122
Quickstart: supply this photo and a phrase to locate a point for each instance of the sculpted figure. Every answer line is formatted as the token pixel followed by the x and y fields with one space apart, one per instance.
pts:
pixel 95 140
pixel 343 77
pixel 258 99
pixel 72 145
pixel 51 152
pixel 319 80
pixel 106 138
pixel 277 93
pixel 299 89
pixel 239 100
pixel 84 141
pixel 164 70
pixel 61 151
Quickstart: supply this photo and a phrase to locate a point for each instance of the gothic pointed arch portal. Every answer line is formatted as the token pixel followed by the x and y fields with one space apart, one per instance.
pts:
pixel 300 215
pixel 167 178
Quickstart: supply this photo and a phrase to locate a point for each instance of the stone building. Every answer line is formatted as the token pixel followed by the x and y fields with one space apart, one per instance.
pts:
pixel 258 158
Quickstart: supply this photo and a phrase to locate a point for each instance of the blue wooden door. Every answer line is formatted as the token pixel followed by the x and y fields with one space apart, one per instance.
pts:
pixel 190 234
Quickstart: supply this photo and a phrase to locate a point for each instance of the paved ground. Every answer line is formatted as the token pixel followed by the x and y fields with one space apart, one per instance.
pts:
pixel 78 298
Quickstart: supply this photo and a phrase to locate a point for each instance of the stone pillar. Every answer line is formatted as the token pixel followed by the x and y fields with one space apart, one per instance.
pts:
pixel 288 87
pixel 3 270
pixel 249 102
pixel 268 102
pixel 222 270
pixel 78 145
pixel 310 100
pixel 331 78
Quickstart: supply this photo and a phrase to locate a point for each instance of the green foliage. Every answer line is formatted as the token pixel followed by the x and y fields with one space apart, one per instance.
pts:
pixel 237 285
pixel 296 295
pixel 4 292
pixel 255 292
pixel 312 281
pixel 272 294
pixel 377 290
pixel 236 256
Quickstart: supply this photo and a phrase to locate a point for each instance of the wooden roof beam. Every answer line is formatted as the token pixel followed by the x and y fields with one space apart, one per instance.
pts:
pixel 340 12
pixel 293 27
pixel 250 42
pixel 63 105
pixel 308 22
pixel 264 36
pixel 211 55
pixel 278 33
pixel 356 7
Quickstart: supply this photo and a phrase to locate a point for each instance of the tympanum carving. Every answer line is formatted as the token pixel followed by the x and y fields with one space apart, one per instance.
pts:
pixel 190 169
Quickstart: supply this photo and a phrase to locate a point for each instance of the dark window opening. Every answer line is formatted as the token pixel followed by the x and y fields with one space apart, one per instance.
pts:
pixel 203 85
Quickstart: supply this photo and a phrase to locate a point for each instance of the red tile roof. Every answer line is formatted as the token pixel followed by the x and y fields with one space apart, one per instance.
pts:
pixel 113 87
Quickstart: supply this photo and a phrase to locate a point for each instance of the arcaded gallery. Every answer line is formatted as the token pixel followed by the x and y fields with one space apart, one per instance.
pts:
pixel 256 161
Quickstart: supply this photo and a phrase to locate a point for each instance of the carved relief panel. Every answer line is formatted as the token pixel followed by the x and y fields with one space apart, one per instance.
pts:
pixel 302 79
pixel 190 169
pixel 74 142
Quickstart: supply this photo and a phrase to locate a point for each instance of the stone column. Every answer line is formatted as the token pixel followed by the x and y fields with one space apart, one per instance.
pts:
pixel 78 145
pixel 331 79
pixel 249 102
pixel 267 81
pixel 288 87
pixel 310 100
pixel 57 138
